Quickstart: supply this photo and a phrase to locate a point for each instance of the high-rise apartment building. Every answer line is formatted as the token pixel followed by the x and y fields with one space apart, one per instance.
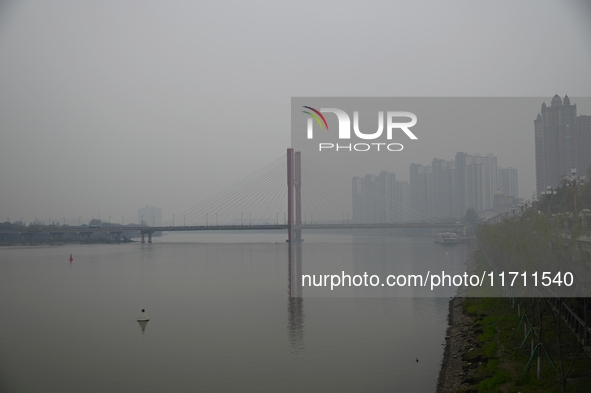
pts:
pixel 562 142
pixel 507 179
pixel 445 189
pixel 443 177
pixel 421 191
pixel 379 199
pixel 473 182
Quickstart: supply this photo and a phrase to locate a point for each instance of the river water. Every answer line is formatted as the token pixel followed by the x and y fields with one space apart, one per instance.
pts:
pixel 221 319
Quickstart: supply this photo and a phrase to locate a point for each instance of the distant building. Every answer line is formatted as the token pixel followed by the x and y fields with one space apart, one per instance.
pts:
pixel 562 142
pixel 502 201
pixel 443 177
pixel 421 194
pixel 477 180
pixel 446 189
pixel 149 215
pixel 379 199
pixel 507 182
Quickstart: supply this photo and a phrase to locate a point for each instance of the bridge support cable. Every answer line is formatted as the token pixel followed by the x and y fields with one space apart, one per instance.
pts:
pixel 195 212
pixel 243 201
pixel 228 205
pixel 322 197
pixel 261 201
pixel 315 194
pixel 248 200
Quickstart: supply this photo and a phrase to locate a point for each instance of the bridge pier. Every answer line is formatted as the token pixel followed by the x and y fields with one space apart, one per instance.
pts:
pixel 149 233
pixel 26 237
pixel 55 236
pixel 115 236
pixel 84 236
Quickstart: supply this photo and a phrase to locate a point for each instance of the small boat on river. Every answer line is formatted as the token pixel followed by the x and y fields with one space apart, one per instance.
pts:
pixel 447 238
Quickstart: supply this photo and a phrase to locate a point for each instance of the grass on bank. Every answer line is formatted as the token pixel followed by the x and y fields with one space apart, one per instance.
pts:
pixel 500 366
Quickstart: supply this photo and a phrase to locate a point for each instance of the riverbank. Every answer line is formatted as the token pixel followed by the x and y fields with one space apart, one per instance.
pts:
pixel 485 351
pixel 456 373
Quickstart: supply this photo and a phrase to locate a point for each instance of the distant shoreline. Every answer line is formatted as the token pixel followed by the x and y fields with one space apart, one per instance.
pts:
pixel 64 242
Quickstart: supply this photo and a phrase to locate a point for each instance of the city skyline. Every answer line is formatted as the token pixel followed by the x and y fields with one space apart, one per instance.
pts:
pixel 442 190
pixel 115 106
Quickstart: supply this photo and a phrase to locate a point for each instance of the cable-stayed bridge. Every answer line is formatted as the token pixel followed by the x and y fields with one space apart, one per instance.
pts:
pixel 290 193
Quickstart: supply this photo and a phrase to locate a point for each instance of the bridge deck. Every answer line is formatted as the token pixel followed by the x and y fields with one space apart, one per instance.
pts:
pixel 147 229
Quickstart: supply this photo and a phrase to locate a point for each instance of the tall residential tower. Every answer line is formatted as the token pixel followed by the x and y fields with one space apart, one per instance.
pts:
pixel 562 141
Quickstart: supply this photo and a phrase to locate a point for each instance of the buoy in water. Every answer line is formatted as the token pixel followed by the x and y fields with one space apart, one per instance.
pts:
pixel 143 316
pixel 417 360
pixel 71 259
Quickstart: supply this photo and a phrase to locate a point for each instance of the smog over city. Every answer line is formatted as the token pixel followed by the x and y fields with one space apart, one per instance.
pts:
pixel 318 196
pixel 108 108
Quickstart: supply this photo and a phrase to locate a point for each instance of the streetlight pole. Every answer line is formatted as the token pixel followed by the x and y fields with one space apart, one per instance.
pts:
pixel 154 219
pixel 576 182
pixel 184 222
pixel 216 220
pixel 277 219
pixel 250 219
pixel 173 220
pixel 549 192
pixel 142 219
pixel 241 218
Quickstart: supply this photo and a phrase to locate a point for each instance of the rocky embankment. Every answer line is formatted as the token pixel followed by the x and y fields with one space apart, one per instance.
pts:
pixel 458 368
pixel 457 373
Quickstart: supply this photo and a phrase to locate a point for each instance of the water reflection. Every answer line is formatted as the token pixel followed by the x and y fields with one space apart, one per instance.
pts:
pixel 295 303
pixel 234 336
pixel 143 325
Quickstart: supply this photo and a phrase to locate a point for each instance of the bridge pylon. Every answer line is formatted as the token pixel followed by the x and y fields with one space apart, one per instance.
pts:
pixel 294 195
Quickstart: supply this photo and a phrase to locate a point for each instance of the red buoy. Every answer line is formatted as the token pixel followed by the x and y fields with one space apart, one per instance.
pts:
pixel 71 259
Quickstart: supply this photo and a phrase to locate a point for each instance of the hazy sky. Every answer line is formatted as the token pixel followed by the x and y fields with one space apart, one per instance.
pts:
pixel 112 105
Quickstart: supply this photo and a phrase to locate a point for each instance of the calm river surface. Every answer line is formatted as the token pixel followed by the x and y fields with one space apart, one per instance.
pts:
pixel 221 319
